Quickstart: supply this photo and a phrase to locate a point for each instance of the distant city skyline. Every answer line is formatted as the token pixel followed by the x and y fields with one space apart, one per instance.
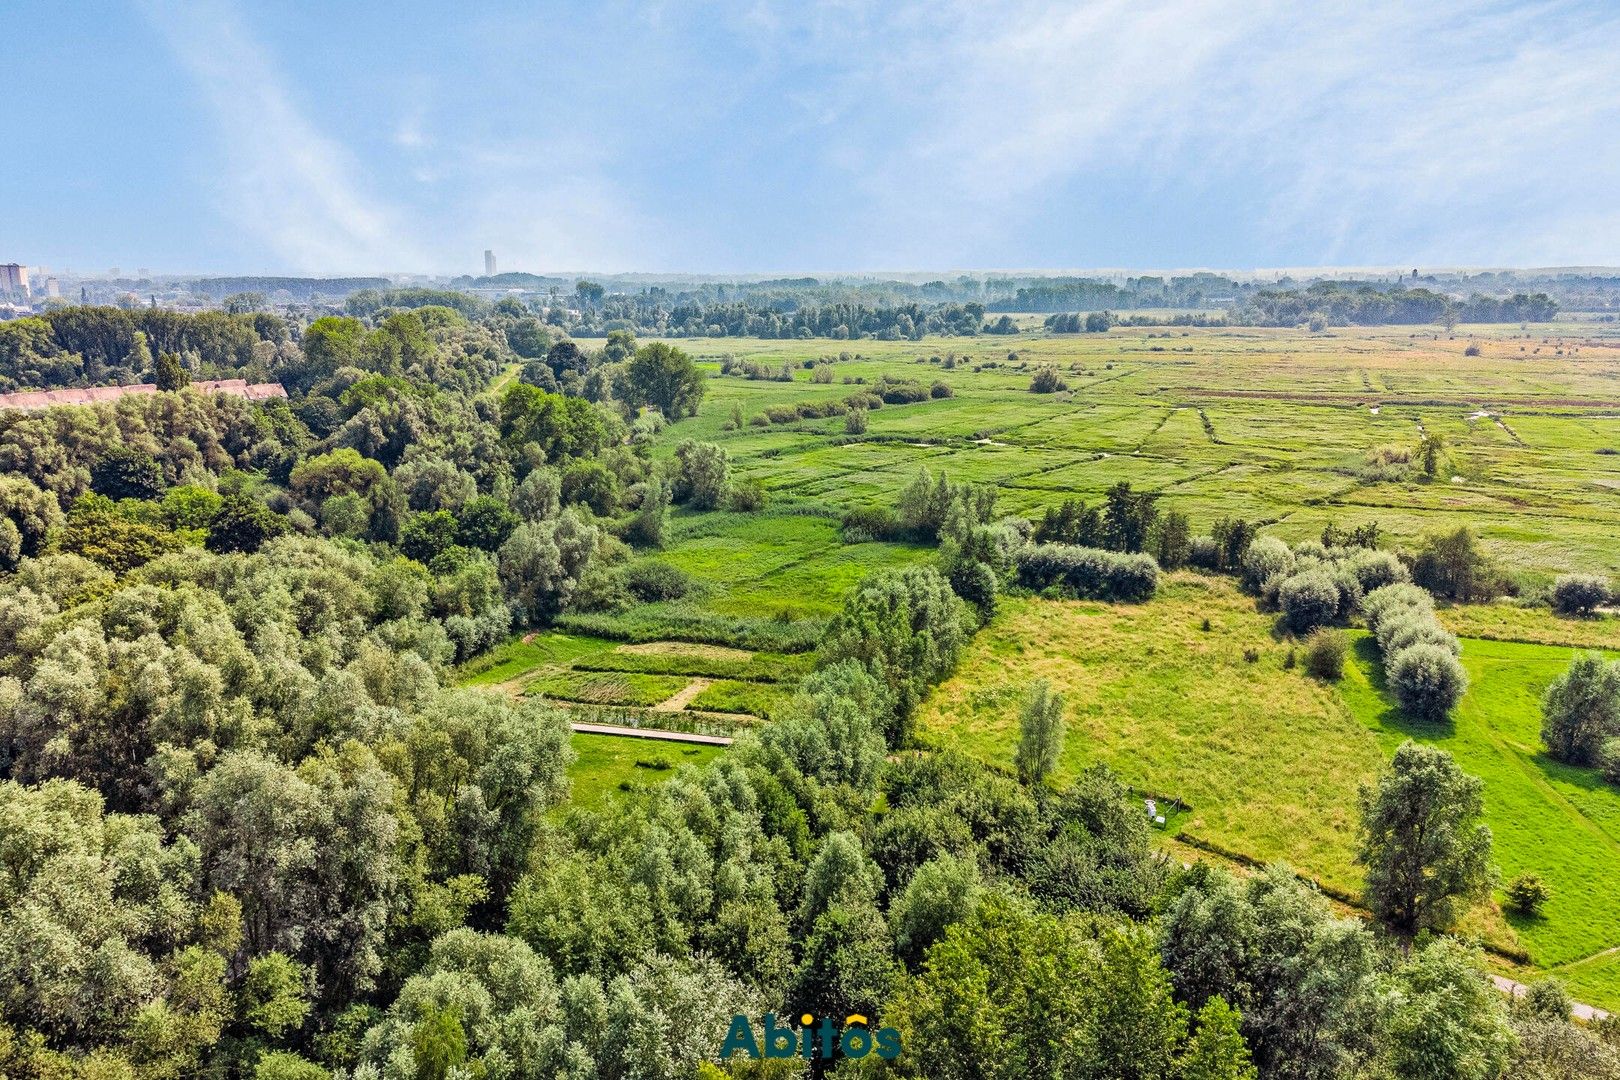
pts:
pixel 239 136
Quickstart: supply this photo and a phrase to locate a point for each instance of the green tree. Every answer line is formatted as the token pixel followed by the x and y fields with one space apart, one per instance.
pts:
pixel 1441 1019
pixel 169 373
pixel 941 893
pixel 123 473
pixel 665 378
pixel 1040 733
pixel 907 628
pixel 275 994
pixel 1426 853
pixel 1216 1050
pixel 1580 711
pixel 438 1042
pixel 27 514
pixel 243 523
pixel 702 474
pixel 1453 565
pixel 1128 518
pixel 485 523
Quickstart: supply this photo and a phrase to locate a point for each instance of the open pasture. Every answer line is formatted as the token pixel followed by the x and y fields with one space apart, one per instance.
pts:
pixel 1270 760
pixel 1272 425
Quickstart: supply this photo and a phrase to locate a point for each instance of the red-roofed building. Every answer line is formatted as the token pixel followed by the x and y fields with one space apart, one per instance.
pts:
pixel 32 400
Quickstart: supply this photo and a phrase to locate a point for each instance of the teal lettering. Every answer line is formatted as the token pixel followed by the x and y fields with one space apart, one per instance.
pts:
pixel 740 1037
pixel 780 1042
pixel 888 1044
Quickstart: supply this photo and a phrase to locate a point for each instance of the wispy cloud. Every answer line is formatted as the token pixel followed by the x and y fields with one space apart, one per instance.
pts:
pixel 1478 128
pixel 299 190
pixel 793 134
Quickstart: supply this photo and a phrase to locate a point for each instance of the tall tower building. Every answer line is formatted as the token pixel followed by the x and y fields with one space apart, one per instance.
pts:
pixel 14 279
pixel 489 263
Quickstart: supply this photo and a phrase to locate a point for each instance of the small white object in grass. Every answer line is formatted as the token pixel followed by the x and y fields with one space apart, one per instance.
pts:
pixel 1152 807
pixel 1159 819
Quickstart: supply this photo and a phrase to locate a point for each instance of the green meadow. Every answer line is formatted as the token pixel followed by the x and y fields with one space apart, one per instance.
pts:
pixel 1276 426
pixel 1270 760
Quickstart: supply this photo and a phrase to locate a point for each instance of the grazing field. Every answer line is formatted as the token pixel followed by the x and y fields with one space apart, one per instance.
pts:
pixel 1560 821
pixel 1270 759
pixel 1274 425
pixel 667 676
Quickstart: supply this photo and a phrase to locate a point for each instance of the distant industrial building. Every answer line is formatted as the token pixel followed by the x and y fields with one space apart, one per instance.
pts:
pixel 489 263
pixel 14 279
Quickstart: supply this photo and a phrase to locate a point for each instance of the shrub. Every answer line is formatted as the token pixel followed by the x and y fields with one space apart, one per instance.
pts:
pixel 1609 760
pixel 1526 893
pixel 1088 573
pixel 1251 655
pixel 1387 601
pixel 1324 655
pixel 651 581
pixel 1376 569
pixel 1428 681
pixel 866 523
pixel 900 393
pixel 823 373
pixel 701 472
pixel 746 496
pixel 1267 557
pixel 1308 600
pixel 1046 380
pixel 1204 553
pixel 1581 710
pixel 941 389
pixel 1405 629
pixel 855 421
pixel 1579 594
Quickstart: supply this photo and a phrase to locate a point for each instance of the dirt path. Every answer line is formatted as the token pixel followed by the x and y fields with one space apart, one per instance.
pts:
pixel 651 733
pixel 1576 1009
pixel 683 697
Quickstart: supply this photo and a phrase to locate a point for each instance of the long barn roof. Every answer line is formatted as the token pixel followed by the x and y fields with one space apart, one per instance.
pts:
pixel 30 400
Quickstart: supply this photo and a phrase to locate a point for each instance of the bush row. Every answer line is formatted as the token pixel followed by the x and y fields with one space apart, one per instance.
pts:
pixel 1420 655
pixel 1088 573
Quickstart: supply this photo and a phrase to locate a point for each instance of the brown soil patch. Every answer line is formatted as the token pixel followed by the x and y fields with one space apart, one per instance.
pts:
pixel 686 648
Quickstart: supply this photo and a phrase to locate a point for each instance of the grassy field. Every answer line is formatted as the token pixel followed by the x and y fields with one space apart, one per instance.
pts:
pixel 603 763
pixel 1275 426
pixel 1267 424
pixel 1270 760
pixel 1556 820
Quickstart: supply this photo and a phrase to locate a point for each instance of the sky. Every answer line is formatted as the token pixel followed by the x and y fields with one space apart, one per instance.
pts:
pixel 234 136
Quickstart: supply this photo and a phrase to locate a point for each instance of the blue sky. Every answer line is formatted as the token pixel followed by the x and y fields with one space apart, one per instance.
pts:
pixel 357 137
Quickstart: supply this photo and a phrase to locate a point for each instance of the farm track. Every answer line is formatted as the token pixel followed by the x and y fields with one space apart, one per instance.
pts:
pixel 652 733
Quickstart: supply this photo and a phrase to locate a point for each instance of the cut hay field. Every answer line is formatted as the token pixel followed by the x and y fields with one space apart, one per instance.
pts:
pixel 1270 760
